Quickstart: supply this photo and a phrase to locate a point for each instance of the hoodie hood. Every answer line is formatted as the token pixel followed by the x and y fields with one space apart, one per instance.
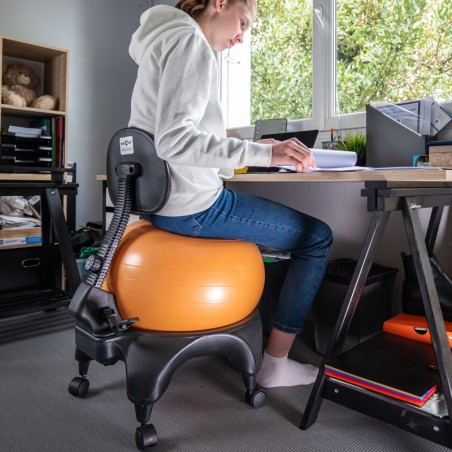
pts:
pixel 153 23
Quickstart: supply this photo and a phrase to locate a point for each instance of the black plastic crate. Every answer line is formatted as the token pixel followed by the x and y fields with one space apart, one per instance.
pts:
pixel 375 306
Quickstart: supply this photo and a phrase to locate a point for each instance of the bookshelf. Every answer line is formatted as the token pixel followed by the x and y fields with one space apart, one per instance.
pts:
pixel 48 149
pixel 25 156
pixel 37 265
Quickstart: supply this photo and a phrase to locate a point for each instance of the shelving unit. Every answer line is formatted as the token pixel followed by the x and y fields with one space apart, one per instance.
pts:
pixel 32 274
pixel 50 64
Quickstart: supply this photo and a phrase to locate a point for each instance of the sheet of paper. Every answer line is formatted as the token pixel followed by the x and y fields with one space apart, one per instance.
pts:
pixel 331 160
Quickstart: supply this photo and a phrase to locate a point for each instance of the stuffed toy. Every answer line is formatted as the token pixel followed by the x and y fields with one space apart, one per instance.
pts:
pixel 18 88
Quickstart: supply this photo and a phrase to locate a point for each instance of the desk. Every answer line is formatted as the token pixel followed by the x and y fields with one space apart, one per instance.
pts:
pixel 407 191
pixel 388 191
pixel 402 176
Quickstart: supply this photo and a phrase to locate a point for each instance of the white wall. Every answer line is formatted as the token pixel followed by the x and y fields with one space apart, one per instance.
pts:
pixel 101 75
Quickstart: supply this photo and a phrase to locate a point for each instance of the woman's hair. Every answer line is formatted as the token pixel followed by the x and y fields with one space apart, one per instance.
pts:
pixel 194 7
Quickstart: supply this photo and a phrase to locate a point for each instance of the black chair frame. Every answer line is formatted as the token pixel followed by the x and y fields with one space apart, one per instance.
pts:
pixel 139 181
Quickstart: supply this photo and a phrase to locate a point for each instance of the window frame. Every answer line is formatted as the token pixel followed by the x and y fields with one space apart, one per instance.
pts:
pixel 324 94
pixel 324 116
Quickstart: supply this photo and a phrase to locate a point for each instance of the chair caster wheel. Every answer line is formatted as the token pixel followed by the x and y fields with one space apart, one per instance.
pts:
pixel 256 398
pixel 79 386
pixel 145 437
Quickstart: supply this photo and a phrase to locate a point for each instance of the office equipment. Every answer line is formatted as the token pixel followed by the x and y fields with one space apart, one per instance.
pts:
pixel 152 356
pixel 384 197
pixel 307 137
pixel 269 126
pixel 387 191
pixel 391 143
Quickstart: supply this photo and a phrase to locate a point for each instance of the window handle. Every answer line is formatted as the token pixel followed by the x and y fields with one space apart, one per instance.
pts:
pixel 231 60
pixel 318 11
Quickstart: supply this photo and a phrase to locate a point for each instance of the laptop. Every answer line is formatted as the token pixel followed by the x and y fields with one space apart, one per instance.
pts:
pixel 307 137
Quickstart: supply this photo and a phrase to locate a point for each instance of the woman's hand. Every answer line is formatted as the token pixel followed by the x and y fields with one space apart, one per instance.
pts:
pixel 292 152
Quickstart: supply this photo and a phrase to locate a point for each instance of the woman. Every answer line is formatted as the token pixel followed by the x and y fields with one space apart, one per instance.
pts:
pixel 176 99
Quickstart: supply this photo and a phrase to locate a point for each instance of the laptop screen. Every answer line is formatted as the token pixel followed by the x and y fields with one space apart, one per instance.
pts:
pixel 307 137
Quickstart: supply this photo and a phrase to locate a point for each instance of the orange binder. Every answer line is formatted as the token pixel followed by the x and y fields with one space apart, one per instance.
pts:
pixel 413 327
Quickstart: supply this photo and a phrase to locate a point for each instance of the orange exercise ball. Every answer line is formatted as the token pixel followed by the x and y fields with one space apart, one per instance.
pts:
pixel 177 283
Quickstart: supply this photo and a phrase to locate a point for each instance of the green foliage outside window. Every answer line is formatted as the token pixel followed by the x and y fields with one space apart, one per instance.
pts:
pixel 281 60
pixel 386 50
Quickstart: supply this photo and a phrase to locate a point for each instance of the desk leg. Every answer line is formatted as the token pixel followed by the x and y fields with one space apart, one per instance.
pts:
pixel 429 294
pixel 432 230
pixel 349 306
pixel 60 228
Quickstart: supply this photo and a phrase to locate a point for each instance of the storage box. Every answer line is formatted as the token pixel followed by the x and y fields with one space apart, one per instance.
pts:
pixel 440 154
pixel 11 238
pixel 413 327
pixel 373 309
pixel 29 268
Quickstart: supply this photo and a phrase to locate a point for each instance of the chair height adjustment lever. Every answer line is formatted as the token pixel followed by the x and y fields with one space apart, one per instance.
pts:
pixel 118 327
pixel 93 263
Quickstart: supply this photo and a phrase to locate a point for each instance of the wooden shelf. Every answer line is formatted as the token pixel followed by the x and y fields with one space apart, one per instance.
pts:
pixel 32 272
pixel 49 62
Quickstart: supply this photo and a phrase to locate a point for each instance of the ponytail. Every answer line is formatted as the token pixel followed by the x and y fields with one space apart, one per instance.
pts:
pixel 195 7
pixel 192 7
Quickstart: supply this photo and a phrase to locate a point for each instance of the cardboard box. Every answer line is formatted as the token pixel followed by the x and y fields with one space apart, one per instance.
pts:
pixel 413 327
pixel 440 153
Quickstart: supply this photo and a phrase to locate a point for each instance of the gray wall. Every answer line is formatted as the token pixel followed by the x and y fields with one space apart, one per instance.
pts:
pixel 101 74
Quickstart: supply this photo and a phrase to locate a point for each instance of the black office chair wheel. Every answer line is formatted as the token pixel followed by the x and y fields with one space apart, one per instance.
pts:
pixel 256 398
pixel 79 387
pixel 145 437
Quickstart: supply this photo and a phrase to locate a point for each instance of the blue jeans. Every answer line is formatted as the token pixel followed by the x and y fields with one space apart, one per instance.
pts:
pixel 237 215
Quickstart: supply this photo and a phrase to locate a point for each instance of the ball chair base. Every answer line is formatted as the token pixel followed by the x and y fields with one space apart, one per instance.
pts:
pixel 151 358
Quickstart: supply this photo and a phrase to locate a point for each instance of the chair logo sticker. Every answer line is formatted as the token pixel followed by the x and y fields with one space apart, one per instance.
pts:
pixel 126 145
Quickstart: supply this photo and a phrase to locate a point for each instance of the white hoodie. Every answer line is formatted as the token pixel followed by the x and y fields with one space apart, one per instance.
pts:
pixel 176 99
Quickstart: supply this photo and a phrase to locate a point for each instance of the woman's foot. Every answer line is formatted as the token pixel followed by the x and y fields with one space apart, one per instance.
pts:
pixel 283 372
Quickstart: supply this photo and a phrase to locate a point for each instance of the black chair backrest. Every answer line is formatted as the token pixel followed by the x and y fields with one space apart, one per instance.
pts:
pixel 153 183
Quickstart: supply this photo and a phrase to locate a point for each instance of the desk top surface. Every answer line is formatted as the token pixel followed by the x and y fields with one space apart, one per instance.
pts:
pixel 393 178
pixel 405 175
pixel 31 177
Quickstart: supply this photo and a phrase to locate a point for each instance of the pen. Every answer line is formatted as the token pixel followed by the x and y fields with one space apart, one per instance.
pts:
pixel 332 134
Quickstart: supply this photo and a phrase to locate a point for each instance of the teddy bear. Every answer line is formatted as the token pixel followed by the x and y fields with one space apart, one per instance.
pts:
pixel 18 88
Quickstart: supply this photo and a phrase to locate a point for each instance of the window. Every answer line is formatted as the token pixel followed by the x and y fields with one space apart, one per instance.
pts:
pixel 318 62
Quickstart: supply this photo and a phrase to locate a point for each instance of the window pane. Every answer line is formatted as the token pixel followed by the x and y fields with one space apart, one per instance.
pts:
pixel 281 60
pixel 393 51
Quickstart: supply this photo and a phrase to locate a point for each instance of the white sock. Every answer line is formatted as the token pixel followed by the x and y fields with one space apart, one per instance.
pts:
pixel 279 372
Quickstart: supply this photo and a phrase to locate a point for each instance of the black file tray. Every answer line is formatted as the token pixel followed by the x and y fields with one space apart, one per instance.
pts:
pixel 390 143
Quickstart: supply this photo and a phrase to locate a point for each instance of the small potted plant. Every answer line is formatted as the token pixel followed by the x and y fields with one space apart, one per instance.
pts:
pixel 355 142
